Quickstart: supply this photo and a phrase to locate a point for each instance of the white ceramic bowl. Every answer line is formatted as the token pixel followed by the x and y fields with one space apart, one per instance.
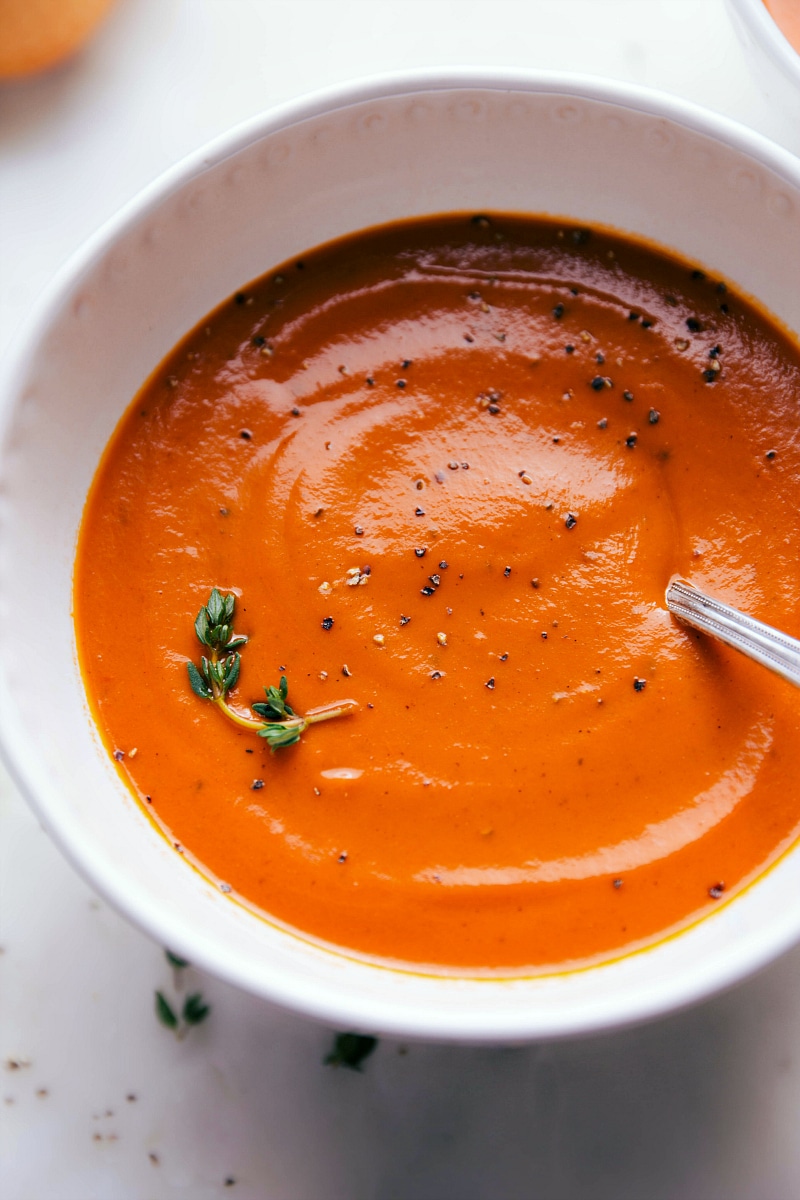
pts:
pixel 773 61
pixel 301 174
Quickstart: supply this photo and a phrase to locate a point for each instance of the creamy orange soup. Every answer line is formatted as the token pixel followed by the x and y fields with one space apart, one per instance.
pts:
pixel 511 433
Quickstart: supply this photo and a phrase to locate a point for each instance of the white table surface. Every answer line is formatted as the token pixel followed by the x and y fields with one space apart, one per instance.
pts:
pixel 97 1100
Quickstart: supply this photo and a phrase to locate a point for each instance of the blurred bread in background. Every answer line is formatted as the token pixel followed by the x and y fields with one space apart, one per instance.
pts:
pixel 37 34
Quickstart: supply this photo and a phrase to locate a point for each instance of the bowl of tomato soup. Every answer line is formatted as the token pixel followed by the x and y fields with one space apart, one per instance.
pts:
pixel 343 475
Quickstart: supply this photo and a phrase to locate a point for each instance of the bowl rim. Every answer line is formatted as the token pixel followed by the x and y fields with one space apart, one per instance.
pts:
pixel 390 1018
pixel 767 33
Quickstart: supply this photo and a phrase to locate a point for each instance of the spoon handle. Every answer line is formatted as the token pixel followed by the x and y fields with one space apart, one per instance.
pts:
pixel 776 650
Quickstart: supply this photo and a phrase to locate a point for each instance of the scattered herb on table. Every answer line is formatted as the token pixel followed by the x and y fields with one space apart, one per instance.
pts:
pixel 175 961
pixel 219 672
pixel 194 1012
pixel 350 1050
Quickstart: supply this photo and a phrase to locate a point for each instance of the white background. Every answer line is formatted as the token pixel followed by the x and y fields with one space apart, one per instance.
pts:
pixel 97 1100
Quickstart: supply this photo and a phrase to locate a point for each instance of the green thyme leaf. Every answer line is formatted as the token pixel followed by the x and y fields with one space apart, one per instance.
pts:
pixel 275 702
pixel 165 1012
pixel 236 641
pixel 201 626
pixel 215 607
pixel 195 1009
pixel 276 706
pixel 175 961
pixel 232 672
pixel 198 684
pixel 350 1050
pixel 230 601
pixel 280 736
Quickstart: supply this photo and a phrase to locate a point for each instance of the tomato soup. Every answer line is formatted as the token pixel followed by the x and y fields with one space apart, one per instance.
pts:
pixel 447 468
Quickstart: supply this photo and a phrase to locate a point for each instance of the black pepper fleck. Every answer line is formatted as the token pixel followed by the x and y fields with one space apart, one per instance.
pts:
pixel 507 572
pixel 435 579
pixel 716 890
pixel 570 520
pixel 693 325
pixel 401 383
pixel 246 434
pixel 327 622
pixel 421 551
pixel 404 620
pixel 639 684
pixel 631 440
pixel 558 311
pixel 419 512
pixel 443 565
pixel 490 684
pixel 358 531
pixel 654 416
pixel 627 396
pixel 427 591
pixel 257 785
pixel 770 455
pixel 598 383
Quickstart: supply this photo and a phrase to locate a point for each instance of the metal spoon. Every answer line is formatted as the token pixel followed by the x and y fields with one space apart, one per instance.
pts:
pixel 776 650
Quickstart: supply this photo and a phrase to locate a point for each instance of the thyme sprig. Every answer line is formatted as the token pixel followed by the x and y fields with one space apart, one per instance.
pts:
pixel 219 672
pixel 194 1012
pixel 350 1050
